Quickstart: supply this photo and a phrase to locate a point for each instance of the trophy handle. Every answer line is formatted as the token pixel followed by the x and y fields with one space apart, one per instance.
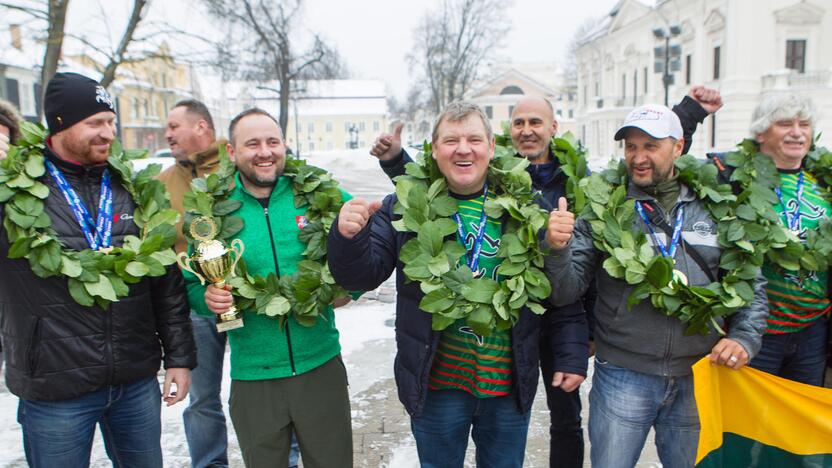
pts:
pixel 185 262
pixel 237 248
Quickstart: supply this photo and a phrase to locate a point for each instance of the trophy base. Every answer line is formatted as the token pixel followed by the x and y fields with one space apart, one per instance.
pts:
pixel 229 321
pixel 225 326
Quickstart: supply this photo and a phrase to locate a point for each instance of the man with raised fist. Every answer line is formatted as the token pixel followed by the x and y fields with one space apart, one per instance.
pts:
pixel 643 375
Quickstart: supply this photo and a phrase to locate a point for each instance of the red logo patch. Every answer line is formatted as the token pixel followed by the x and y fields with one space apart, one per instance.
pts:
pixel 301 221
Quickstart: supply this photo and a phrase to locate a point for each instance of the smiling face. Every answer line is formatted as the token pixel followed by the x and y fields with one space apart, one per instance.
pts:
pixel 462 150
pixel 650 160
pixel 533 125
pixel 88 141
pixel 787 141
pixel 258 151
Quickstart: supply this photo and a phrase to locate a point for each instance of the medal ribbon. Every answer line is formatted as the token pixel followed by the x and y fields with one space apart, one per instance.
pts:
pixel 669 250
pixel 99 233
pixel 792 222
pixel 473 256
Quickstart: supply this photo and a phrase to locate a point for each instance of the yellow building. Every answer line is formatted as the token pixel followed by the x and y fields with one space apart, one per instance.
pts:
pixel 331 115
pixel 144 91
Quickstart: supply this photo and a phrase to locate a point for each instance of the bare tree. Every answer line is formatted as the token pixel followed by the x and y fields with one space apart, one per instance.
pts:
pixel 584 29
pixel 260 46
pixel 54 13
pixel 452 45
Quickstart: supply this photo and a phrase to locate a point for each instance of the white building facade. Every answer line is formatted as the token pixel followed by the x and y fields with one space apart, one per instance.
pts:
pixel 746 49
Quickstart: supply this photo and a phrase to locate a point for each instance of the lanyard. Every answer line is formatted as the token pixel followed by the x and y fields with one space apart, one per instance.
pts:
pixel 473 257
pixel 792 221
pixel 670 250
pixel 99 233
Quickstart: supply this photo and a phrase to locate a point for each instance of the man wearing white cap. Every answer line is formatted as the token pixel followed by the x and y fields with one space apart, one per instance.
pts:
pixel 643 361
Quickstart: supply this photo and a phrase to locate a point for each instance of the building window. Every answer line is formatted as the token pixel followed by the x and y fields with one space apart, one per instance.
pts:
pixel 713 131
pixel 645 80
pixel 489 112
pixel 145 107
pixel 310 127
pixel 329 127
pixel 361 126
pixel 585 94
pixel 511 89
pixel 796 55
pixel 510 111
pixel 571 114
pixel 597 88
pixel 687 69
pixel 346 126
pixel 376 125
pixel 135 108
pixel 635 87
pixel 311 146
pixel 717 64
pixel 623 85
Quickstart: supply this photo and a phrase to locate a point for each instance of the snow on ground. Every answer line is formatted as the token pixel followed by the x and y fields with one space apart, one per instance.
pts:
pixel 367 344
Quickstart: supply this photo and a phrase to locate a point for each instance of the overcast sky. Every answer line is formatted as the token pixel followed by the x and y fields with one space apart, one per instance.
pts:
pixel 374 36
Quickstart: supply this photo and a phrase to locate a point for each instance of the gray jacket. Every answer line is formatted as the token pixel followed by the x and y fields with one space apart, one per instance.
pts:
pixel 644 339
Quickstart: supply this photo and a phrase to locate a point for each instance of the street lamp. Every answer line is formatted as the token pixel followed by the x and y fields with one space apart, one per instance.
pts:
pixel 668 58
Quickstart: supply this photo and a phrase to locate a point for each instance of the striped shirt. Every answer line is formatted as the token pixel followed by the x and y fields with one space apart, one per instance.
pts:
pixel 797 298
pixel 479 365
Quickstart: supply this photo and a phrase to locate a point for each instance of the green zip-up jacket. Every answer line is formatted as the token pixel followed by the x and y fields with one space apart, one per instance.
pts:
pixel 261 350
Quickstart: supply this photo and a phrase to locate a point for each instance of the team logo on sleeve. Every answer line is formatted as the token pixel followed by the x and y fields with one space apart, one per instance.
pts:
pixel 301 221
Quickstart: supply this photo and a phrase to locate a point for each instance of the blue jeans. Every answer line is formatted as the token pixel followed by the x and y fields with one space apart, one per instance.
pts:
pixel 59 433
pixel 624 405
pixel 441 431
pixel 204 419
pixel 798 356
pixel 294 452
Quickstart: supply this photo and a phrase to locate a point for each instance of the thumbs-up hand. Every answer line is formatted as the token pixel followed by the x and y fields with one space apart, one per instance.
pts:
pixel 354 216
pixel 561 225
pixel 387 146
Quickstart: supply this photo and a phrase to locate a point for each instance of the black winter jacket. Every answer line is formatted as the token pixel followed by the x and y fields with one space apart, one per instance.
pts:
pixel 364 262
pixel 56 349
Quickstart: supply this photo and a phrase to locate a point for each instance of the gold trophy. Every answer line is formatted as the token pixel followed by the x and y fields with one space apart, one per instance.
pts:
pixel 211 260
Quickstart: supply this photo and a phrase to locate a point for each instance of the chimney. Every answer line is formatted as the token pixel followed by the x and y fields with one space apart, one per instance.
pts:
pixel 17 43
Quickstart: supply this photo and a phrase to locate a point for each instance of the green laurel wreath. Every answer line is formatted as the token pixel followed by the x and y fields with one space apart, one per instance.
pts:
pixel 451 290
pixel 785 249
pixel 93 277
pixel 311 288
pixel 744 234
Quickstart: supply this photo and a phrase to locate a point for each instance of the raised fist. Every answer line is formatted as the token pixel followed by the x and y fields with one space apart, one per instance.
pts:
pixel 708 98
pixel 387 146
pixel 561 225
pixel 354 216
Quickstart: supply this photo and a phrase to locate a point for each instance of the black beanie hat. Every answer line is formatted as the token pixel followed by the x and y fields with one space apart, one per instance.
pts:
pixel 71 98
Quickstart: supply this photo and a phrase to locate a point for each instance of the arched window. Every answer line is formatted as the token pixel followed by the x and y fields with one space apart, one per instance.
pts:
pixel 511 89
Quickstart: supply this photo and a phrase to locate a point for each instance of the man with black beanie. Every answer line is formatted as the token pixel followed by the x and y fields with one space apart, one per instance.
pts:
pixel 74 366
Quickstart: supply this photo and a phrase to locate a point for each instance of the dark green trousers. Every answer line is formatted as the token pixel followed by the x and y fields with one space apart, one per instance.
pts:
pixel 315 405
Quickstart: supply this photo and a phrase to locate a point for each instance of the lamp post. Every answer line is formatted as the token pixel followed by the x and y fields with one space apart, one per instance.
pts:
pixel 668 58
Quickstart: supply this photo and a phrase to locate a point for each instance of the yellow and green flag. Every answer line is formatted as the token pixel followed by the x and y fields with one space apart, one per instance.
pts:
pixel 750 418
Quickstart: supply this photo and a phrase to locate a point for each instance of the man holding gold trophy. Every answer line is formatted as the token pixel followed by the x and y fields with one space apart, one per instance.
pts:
pixel 286 368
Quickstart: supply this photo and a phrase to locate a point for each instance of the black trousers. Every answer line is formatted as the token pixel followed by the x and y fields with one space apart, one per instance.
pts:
pixel 566 437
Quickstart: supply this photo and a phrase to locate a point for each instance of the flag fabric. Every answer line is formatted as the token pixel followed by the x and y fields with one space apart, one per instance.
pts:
pixel 749 418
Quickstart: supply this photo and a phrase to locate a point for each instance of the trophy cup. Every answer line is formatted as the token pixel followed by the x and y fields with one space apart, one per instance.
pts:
pixel 212 261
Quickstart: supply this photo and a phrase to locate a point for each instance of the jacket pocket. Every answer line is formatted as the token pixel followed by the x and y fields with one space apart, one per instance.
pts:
pixel 33 351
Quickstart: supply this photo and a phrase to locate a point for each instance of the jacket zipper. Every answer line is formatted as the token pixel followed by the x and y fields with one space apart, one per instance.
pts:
pixel 277 271
pixel 668 349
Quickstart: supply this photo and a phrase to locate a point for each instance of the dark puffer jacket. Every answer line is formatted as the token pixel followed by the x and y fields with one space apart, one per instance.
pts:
pixel 56 349
pixel 365 261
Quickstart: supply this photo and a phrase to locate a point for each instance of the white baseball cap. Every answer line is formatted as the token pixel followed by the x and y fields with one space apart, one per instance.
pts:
pixel 657 121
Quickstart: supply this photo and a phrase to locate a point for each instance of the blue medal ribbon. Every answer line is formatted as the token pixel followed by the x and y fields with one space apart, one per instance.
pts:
pixel 98 233
pixel 669 250
pixel 792 221
pixel 473 256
